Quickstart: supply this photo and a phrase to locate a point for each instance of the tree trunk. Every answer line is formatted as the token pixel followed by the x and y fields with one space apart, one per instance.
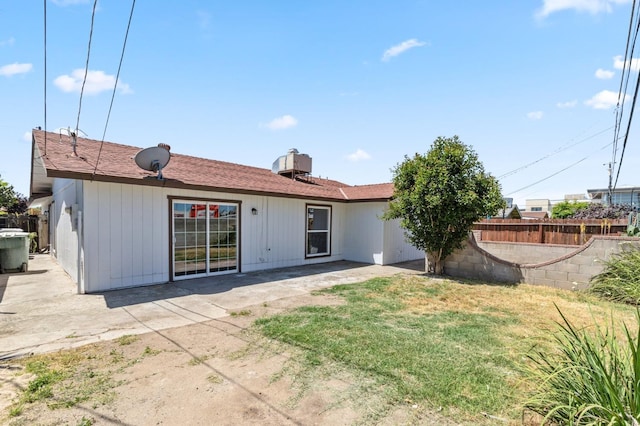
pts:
pixel 433 264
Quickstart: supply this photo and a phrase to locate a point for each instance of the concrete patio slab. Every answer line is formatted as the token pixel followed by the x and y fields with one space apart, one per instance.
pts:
pixel 40 310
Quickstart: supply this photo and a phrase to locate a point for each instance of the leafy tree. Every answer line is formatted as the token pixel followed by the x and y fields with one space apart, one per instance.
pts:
pixel 10 200
pixel 438 196
pixel 565 209
pixel 20 205
pixel 7 195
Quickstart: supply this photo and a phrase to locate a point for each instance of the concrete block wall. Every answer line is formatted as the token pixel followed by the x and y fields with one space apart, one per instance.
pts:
pixel 570 270
pixel 525 252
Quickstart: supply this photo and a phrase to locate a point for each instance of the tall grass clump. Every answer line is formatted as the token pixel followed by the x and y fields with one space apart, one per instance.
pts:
pixel 588 377
pixel 620 279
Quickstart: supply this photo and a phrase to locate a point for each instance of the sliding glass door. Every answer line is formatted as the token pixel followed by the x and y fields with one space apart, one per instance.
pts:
pixel 205 238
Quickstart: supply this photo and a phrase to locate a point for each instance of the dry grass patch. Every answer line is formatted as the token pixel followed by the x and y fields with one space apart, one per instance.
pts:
pixel 533 306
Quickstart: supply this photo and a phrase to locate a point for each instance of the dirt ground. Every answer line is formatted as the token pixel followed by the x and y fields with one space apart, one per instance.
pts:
pixel 217 372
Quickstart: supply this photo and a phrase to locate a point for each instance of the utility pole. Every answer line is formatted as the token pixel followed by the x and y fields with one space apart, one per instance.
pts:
pixel 610 192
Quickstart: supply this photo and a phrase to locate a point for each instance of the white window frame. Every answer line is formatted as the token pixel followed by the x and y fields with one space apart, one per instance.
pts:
pixel 207 236
pixel 309 232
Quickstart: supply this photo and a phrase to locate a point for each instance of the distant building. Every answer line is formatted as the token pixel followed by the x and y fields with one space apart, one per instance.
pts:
pixel 620 195
pixel 546 205
pixel 535 215
pixel 575 197
pixel 511 212
pixel 538 205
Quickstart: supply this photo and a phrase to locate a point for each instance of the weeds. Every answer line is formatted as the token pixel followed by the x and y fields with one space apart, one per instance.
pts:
pixel 620 280
pixel 591 378
pixel 197 360
pixel 215 379
pixel 150 352
pixel 127 339
pixel 84 421
pixel 41 386
pixel 65 379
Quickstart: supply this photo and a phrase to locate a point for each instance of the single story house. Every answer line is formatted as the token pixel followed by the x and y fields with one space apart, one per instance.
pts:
pixel 534 215
pixel 113 224
pixel 512 212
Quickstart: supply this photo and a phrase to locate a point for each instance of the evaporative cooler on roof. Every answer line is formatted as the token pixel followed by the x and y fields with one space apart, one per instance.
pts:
pixel 292 164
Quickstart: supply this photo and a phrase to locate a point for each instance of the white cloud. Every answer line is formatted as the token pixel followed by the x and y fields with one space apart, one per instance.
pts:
pixel 358 155
pixel 97 81
pixel 69 2
pixel 568 104
pixel 604 100
pixel 26 137
pixel 604 74
pixel 13 69
pixel 401 48
pixel 284 122
pixel 619 63
pixel 8 42
pixel 590 6
pixel 535 115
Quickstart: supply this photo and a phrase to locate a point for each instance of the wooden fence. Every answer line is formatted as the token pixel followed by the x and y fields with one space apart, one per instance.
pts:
pixel 547 231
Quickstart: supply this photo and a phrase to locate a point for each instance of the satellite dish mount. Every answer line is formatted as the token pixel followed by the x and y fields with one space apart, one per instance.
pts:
pixel 154 159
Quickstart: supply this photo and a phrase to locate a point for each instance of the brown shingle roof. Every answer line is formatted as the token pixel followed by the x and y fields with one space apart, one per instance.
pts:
pixel 368 192
pixel 535 215
pixel 183 171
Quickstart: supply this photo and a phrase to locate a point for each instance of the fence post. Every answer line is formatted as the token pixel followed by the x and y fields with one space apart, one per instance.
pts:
pixel 540 233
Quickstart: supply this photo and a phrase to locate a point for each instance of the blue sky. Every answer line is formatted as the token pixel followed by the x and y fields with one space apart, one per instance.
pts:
pixel 355 84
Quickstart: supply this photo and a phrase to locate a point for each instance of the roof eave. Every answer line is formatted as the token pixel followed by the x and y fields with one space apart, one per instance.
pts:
pixel 172 183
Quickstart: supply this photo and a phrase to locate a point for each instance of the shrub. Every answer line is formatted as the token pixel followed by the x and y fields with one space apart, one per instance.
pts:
pixel 601 211
pixel 591 378
pixel 620 279
pixel 565 209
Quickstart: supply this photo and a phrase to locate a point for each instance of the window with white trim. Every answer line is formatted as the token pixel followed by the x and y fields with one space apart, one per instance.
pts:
pixel 318 231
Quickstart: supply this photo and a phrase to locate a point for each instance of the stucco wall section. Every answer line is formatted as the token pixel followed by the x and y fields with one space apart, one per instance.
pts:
pixel 570 271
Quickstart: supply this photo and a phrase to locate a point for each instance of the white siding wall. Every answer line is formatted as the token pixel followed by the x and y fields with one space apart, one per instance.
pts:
pixel 126 233
pixel 126 236
pixel 275 237
pixel 117 235
pixel 396 247
pixel 67 197
pixel 370 239
pixel 364 233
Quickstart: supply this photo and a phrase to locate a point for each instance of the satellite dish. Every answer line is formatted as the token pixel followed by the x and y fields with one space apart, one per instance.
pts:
pixel 153 159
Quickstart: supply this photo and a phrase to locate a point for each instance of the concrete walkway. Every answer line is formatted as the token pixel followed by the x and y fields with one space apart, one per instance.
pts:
pixel 40 310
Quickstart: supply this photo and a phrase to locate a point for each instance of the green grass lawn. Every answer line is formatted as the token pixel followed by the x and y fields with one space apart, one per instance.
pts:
pixel 450 346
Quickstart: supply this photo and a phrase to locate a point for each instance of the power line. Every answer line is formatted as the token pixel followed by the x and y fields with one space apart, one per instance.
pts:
pixel 45 77
pixel 626 136
pixel 626 72
pixel 86 67
pixel 624 81
pixel 559 171
pixel 557 151
pixel 115 86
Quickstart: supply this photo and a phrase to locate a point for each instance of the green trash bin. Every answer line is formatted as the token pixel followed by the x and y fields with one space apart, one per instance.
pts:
pixel 14 250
